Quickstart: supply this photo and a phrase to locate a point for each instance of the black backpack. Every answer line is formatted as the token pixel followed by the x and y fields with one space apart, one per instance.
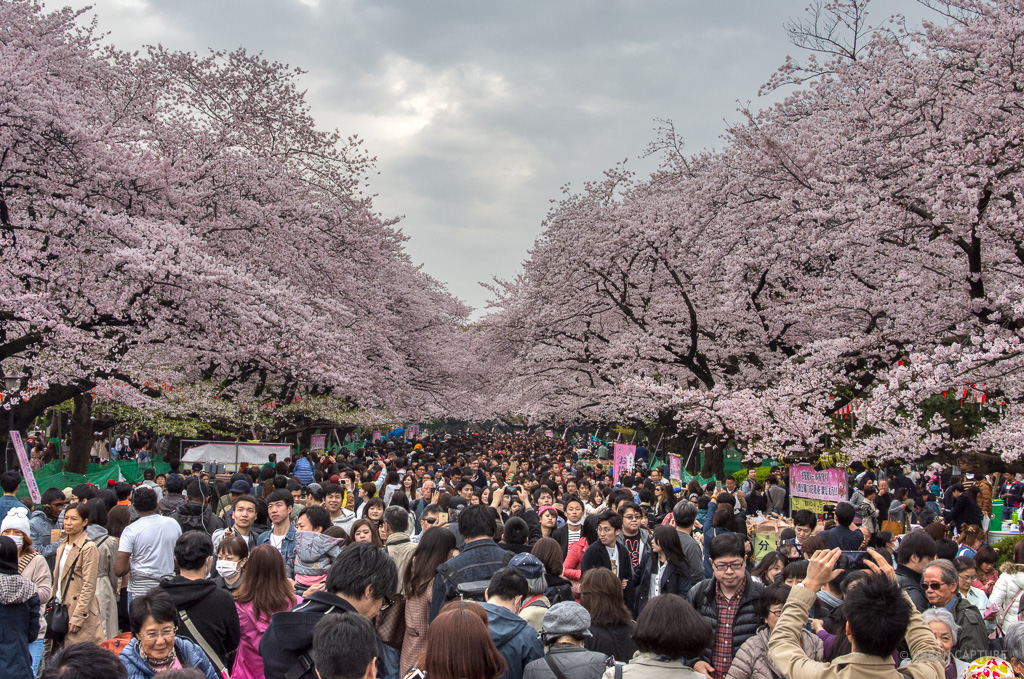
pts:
pixel 469 590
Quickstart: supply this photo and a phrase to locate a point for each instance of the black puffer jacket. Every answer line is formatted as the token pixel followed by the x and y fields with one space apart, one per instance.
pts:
pixel 748 617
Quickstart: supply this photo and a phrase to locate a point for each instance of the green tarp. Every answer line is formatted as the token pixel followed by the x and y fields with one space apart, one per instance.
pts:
pixel 50 475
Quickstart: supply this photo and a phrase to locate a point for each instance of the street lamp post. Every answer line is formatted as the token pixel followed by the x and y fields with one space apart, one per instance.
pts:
pixel 10 384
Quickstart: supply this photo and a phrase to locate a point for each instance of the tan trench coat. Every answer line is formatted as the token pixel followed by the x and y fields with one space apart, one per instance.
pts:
pixel 78 589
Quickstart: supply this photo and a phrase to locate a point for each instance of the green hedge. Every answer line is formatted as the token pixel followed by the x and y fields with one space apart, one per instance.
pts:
pixel 1004 548
pixel 762 475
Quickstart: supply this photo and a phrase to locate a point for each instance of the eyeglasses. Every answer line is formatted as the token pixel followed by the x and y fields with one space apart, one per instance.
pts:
pixel 153 635
pixel 775 611
pixel 935 585
pixel 725 567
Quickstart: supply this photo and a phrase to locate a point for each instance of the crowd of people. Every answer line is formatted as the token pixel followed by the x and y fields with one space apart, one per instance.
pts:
pixel 503 556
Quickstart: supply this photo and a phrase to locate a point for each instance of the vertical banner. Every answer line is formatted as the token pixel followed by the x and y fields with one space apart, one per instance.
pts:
pixel 623 460
pixel 376 436
pixel 26 468
pixel 413 431
pixel 675 469
pixel 318 442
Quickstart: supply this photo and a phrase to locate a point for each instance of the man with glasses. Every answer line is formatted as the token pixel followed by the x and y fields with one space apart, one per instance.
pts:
pixel 942 587
pixel 730 601
pixel 608 553
pixel 637 541
pixel 426 498
pixel 429 518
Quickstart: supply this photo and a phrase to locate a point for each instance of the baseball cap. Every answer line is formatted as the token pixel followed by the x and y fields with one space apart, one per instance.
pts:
pixel 567 617
pixel 240 487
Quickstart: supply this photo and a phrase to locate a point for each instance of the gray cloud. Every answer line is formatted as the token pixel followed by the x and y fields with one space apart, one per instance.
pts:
pixel 479 112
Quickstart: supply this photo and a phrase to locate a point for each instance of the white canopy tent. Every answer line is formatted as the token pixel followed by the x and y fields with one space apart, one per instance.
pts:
pixel 235 452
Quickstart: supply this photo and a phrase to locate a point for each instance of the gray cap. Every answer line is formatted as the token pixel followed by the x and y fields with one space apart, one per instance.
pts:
pixel 567 617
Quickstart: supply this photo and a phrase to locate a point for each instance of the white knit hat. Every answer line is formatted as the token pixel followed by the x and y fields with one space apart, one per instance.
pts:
pixel 17 519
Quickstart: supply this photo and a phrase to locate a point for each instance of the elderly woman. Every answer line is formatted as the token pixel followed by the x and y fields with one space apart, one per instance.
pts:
pixel 1013 647
pixel 946 630
pixel 752 661
pixel 155 647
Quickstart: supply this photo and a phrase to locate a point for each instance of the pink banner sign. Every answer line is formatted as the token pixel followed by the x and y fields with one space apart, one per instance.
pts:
pixel 828 485
pixel 319 442
pixel 376 436
pixel 675 468
pixel 26 468
pixel 623 461
pixel 413 431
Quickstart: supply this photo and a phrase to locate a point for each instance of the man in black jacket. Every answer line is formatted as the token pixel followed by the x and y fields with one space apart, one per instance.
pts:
pixel 965 509
pixel 209 609
pixel 917 549
pixel 608 553
pixel 730 601
pixel 842 536
pixel 360 581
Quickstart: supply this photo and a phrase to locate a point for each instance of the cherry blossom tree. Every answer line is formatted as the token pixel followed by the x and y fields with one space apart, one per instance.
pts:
pixel 856 246
pixel 169 217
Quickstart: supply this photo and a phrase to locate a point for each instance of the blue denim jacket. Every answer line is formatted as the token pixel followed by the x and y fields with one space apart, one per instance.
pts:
pixel 287 548
pixel 479 560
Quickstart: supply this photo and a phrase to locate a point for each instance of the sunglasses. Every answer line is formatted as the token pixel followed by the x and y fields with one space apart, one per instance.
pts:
pixel 430 521
pixel 934 585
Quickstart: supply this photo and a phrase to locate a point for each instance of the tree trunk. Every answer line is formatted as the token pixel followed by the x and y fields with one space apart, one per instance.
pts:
pixel 81 435
pixel 714 463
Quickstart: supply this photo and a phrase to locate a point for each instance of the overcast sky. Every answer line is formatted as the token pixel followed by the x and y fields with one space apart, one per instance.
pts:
pixel 479 112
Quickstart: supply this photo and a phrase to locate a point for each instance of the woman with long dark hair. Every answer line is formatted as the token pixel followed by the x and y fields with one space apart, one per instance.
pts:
pixel 265 590
pixel 670 572
pixel 664 501
pixel 771 564
pixel 364 530
pixel 611 623
pixel 436 546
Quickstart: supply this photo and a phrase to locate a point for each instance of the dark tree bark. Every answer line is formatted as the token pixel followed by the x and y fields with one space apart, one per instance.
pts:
pixel 81 435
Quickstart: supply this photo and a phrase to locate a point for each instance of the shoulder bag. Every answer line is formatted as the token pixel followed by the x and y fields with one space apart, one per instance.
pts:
pixel 390 622
pixel 218 666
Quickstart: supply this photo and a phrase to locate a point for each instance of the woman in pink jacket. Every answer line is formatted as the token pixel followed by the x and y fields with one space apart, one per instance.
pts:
pixel 265 590
pixel 574 559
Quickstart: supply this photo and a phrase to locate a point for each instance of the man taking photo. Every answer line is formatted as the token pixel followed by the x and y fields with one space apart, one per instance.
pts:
pixel 879 616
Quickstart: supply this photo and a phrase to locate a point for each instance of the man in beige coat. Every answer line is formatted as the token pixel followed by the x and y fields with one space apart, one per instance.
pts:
pixel 397 543
pixel 879 615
